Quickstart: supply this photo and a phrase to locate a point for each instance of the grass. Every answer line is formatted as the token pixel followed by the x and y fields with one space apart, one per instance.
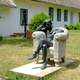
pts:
pixel 17 41
pixel 14 52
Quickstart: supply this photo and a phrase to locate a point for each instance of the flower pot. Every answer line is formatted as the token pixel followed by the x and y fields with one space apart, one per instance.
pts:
pixel 29 35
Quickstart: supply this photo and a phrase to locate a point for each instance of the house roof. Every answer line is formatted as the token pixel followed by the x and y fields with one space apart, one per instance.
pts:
pixel 9 3
pixel 68 3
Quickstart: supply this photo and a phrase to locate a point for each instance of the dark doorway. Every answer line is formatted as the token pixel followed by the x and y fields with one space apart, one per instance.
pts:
pixel 24 19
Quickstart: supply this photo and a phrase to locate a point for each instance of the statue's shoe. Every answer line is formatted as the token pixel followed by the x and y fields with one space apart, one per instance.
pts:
pixel 44 66
pixel 32 57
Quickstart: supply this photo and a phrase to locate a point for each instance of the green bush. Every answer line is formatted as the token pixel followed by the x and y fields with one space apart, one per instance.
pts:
pixel 77 26
pixel 1 38
pixel 69 27
pixel 73 26
pixel 37 20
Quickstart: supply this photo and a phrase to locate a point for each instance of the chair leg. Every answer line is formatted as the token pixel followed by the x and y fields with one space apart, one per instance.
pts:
pixel 63 59
pixel 48 59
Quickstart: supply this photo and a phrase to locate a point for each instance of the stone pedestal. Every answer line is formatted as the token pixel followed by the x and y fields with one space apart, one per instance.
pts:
pixel 33 69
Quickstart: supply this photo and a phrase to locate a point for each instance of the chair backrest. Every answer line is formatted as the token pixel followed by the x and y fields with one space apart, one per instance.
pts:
pixel 59 44
pixel 61 35
pixel 37 37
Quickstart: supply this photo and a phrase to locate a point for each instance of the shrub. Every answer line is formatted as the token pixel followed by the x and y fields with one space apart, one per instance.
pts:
pixel 69 27
pixel 37 20
pixel 77 26
pixel 73 26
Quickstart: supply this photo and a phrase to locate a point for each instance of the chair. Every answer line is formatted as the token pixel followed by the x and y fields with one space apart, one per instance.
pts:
pixel 37 37
pixel 57 52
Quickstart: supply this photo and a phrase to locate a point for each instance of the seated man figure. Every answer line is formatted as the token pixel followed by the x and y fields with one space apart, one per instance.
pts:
pixel 44 27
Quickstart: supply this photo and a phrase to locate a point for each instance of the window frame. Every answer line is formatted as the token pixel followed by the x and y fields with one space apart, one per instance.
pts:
pixel 65 15
pixel 51 13
pixel 71 17
pixel 21 16
pixel 79 16
pixel 59 14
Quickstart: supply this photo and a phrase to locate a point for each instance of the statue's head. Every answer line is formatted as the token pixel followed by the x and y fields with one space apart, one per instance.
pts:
pixel 45 26
pixel 48 23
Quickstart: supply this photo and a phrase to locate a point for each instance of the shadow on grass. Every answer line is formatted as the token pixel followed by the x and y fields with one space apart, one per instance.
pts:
pixel 73 65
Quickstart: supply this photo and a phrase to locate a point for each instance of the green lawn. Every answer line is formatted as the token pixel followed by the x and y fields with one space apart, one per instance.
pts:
pixel 14 52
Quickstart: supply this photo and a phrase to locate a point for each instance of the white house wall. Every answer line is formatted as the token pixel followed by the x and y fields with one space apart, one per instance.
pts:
pixel 10 21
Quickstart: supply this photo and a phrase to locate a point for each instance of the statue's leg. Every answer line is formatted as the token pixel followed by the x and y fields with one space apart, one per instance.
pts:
pixel 36 52
pixel 34 55
pixel 44 55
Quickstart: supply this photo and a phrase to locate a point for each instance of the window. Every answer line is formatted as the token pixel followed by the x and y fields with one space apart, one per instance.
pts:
pixel 71 18
pixel 58 14
pixel 51 13
pixel 65 15
pixel 23 16
pixel 79 16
